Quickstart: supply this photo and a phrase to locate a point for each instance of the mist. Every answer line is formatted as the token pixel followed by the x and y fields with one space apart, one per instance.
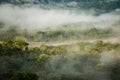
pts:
pixel 67 43
pixel 33 17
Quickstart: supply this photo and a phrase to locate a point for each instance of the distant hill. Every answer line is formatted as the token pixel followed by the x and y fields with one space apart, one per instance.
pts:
pixel 101 6
pixel 57 1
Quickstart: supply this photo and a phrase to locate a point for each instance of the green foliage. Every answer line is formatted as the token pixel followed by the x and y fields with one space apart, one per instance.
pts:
pixel 61 35
pixel 20 44
pixel 11 33
pixel 57 35
pixel 114 70
pixel 43 47
pixel 13 47
pixel 26 76
pixel 96 48
pixel 43 58
pixel 58 62
pixel 19 76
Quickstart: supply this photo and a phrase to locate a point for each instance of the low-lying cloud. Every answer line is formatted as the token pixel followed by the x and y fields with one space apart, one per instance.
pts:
pixel 35 17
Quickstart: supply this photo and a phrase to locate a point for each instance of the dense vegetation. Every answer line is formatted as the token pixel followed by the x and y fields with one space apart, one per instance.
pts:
pixel 82 61
pixel 31 29
pixel 57 35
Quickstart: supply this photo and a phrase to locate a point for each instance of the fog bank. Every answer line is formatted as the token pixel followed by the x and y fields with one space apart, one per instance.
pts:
pixel 34 17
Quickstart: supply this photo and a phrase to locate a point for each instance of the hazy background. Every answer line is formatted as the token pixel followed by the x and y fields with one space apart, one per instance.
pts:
pixel 53 13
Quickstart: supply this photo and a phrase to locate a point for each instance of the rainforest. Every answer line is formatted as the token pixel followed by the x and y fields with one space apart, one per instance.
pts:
pixel 59 39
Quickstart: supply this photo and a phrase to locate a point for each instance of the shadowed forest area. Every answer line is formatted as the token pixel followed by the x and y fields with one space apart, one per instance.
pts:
pixel 81 61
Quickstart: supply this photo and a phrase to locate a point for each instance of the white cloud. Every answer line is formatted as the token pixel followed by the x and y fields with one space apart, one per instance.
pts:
pixel 36 17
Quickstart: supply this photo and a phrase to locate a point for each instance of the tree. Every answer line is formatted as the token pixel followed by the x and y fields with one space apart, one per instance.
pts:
pixel 115 70
pixel 21 44
pixel 43 58
pixel 19 76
